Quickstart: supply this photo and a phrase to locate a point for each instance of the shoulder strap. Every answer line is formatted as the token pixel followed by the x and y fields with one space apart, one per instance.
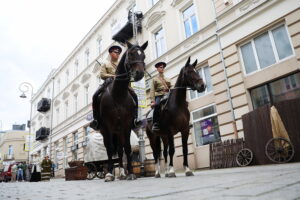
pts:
pixel 163 82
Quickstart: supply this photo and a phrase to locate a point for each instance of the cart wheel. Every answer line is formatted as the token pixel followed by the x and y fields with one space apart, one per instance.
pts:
pixel 244 157
pixel 279 150
pixel 92 171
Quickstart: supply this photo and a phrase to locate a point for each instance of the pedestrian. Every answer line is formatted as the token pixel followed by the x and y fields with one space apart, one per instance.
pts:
pixel 14 170
pixel 160 86
pixel 20 176
pixel 108 73
pixel 53 169
pixel 46 169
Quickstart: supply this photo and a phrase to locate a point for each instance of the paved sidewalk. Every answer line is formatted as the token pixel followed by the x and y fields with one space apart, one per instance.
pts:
pixel 256 182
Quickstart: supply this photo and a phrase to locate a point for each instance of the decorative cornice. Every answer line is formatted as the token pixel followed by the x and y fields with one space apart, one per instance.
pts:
pixel 85 77
pixel 176 2
pixel 56 102
pixel 74 86
pixel 154 17
pixel 65 95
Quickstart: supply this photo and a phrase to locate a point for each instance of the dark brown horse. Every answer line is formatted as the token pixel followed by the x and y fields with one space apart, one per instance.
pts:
pixel 117 109
pixel 175 118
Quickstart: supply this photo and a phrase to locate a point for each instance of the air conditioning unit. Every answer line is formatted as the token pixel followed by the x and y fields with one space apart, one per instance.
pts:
pixel 44 105
pixel 42 133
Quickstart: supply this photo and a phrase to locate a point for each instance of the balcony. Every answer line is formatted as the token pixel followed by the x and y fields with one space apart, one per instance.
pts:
pixel 42 133
pixel 44 105
pixel 8 157
pixel 126 32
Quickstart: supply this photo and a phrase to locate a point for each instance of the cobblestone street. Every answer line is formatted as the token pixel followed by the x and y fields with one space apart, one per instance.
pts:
pixel 256 182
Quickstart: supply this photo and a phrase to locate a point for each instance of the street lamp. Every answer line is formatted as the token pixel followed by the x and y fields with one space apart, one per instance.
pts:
pixel 24 88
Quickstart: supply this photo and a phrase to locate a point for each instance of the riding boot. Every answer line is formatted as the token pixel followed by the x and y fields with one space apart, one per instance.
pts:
pixel 156 115
pixel 95 104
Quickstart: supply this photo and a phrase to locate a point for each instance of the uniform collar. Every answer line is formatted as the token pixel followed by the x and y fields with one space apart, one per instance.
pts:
pixel 161 75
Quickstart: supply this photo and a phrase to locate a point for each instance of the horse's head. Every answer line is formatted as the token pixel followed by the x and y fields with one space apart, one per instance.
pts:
pixel 192 78
pixel 135 60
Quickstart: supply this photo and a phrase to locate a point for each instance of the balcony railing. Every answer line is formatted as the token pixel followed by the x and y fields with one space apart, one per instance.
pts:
pixel 42 133
pixel 44 105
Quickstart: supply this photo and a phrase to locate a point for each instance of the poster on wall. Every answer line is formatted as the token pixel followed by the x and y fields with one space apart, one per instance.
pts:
pixel 206 127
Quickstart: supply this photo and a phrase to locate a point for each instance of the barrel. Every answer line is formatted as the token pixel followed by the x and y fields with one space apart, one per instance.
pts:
pixel 136 168
pixel 149 167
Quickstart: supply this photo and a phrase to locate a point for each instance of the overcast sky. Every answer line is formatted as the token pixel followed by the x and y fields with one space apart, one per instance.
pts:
pixel 35 37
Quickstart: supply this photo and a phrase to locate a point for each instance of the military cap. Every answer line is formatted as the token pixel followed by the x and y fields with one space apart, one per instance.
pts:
pixel 159 64
pixel 115 47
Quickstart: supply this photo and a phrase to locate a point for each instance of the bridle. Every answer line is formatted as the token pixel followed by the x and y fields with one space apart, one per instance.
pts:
pixel 127 64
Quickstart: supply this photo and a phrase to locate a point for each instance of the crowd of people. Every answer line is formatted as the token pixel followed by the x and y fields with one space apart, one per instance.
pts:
pixel 34 172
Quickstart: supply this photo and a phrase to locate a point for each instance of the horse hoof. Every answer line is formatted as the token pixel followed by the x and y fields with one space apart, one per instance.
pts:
pixel 109 178
pixel 171 175
pixel 189 173
pixel 157 176
pixel 131 177
pixel 166 175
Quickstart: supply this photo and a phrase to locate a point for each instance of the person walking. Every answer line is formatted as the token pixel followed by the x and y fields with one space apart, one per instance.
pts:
pixel 20 176
pixel 46 169
pixel 160 86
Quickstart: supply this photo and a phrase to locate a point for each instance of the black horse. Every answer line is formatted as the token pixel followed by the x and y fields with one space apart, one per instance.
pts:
pixel 175 118
pixel 117 109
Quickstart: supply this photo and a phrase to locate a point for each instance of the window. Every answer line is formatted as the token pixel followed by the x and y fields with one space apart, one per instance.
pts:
pixel 87 55
pixel 65 142
pixel 66 109
pixel 205 75
pixel 56 151
pixel 57 115
pixel 87 131
pixel 48 93
pixel 276 91
pixel 76 68
pixel 159 42
pixel 266 49
pixel 75 103
pixel 190 21
pixel 58 86
pixel 10 150
pixel 75 139
pixel 86 94
pixel 206 125
pixel 99 46
pixel 67 77
pixel 153 2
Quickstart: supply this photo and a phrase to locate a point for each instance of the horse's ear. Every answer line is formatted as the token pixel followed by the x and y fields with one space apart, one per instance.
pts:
pixel 188 61
pixel 144 46
pixel 195 63
pixel 129 45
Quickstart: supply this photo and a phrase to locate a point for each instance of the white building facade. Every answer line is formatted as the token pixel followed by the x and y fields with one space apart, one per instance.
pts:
pixel 245 49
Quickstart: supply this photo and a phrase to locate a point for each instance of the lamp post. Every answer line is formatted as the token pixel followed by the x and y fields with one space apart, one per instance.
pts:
pixel 24 88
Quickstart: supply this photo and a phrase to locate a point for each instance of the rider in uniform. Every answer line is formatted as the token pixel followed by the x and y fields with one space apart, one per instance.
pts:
pixel 159 87
pixel 108 73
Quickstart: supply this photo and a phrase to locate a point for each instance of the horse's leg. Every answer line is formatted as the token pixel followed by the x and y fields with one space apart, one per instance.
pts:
pixel 156 154
pixel 184 139
pixel 171 172
pixel 122 174
pixel 165 152
pixel 131 175
pixel 109 149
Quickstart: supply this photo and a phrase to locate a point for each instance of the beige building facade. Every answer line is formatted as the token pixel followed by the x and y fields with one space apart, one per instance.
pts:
pixel 248 53
pixel 12 147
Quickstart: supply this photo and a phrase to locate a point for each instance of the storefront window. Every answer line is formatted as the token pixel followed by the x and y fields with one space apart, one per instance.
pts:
pixel 206 126
pixel 276 91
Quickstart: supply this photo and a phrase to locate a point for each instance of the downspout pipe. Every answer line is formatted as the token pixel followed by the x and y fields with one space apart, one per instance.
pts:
pixel 225 72
pixel 51 125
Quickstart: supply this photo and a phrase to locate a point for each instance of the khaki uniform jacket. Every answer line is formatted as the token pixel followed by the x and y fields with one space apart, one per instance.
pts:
pixel 108 69
pixel 158 88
